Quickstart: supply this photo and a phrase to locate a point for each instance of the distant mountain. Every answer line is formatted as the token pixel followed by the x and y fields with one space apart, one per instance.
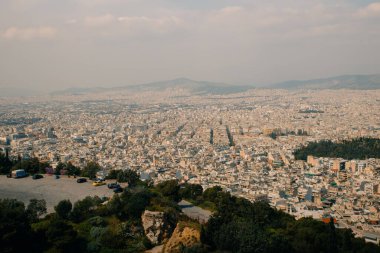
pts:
pixel 194 87
pixel 77 91
pixel 355 82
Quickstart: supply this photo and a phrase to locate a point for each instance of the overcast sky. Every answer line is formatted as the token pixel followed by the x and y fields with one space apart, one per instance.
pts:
pixel 47 45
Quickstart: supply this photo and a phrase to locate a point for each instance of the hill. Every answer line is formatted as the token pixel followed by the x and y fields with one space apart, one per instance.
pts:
pixel 191 86
pixel 355 82
pixel 145 215
pixel 361 148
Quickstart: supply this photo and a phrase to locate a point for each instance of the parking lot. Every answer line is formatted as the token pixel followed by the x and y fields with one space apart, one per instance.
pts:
pixel 51 189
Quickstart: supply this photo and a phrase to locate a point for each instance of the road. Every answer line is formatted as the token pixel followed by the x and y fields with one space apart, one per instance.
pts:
pixel 194 212
pixel 51 189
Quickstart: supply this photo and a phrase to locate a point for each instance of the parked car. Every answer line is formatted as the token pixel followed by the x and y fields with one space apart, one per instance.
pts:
pixel 19 174
pixel 98 183
pixel 113 185
pixel 37 176
pixel 81 180
pixel 118 189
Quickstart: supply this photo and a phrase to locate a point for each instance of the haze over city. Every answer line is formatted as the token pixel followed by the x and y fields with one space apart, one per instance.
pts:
pixel 170 126
pixel 52 45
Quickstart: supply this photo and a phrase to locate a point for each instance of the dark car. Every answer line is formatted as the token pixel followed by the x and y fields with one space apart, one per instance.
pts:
pixel 113 185
pixel 81 180
pixel 37 176
pixel 118 189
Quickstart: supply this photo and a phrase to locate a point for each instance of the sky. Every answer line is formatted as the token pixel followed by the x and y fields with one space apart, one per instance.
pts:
pixel 48 45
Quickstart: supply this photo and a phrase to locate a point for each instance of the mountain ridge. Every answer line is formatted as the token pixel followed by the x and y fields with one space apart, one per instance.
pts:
pixel 354 82
pixel 195 87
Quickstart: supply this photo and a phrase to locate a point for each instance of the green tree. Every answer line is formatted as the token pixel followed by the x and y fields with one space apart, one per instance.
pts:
pixel 61 166
pixel 14 224
pixel 63 209
pixel 129 176
pixel 5 164
pixel 31 166
pixel 113 174
pixel 190 191
pixel 36 208
pixel 210 194
pixel 170 189
pixel 62 237
pixel 83 209
pixel 72 170
pixel 91 169
pixel 134 204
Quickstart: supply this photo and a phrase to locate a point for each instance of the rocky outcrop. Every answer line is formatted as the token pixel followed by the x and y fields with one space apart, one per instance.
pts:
pixel 184 236
pixel 156 226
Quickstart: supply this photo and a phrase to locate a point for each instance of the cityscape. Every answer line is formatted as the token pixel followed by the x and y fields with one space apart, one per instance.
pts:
pixel 243 142
pixel 222 126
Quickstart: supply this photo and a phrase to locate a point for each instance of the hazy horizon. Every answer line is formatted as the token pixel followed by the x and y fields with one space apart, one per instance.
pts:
pixel 49 45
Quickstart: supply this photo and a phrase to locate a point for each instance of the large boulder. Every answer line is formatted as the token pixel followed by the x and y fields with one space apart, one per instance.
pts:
pixel 156 226
pixel 185 235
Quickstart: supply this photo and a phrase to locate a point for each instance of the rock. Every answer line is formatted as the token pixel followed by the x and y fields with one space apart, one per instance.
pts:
pixel 184 236
pixel 156 226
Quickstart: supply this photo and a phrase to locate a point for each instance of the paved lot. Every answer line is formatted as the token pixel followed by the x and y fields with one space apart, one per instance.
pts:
pixel 51 189
pixel 194 212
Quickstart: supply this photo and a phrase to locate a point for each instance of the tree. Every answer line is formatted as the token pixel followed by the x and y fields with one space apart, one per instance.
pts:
pixel 129 176
pixel 113 174
pixel 5 164
pixel 83 209
pixel 191 191
pixel 60 166
pixel 90 170
pixel 63 209
pixel 359 148
pixel 62 237
pixel 72 170
pixel 14 224
pixel 31 166
pixel 36 209
pixel 169 189
pixel 210 194
pixel 134 204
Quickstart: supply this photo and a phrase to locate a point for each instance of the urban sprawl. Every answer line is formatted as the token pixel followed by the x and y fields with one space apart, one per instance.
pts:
pixel 243 142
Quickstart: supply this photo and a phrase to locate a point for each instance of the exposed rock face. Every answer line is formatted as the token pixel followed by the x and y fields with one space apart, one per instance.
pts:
pixel 182 237
pixel 156 227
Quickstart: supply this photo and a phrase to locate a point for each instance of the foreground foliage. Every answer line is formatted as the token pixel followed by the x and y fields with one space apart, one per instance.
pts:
pixel 96 225
pixel 241 226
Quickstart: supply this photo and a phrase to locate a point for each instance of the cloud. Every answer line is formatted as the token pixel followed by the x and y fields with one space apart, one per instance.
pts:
pixel 230 10
pixel 133 25
pixel 96 21
pixel 372 10
pixel 43 32
pixel 147 24
pixel 71 21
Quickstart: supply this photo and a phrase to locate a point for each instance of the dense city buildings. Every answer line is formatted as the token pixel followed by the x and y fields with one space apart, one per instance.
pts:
pixel 244 142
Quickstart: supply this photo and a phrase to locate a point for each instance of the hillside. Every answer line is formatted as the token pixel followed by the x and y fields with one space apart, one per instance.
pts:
pixel 144 215
pixel 355 82
pixel 191 86
pixel 361 148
